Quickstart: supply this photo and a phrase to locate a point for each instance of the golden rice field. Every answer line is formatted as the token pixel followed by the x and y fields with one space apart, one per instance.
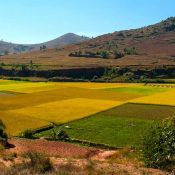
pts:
pixel 25 105
pixel 166 98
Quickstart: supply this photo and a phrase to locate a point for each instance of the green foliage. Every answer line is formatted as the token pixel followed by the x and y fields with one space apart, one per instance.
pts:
pixel 110 72
pixel 23 67
pixel 3 135
pixel 130 51
pixel 104 54
pixel 2 64
pixel 159 144
pixel 62 135
pixel 27 134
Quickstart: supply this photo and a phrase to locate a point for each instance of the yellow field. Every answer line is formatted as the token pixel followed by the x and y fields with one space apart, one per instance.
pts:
pixel 38 104
pixel 66 110
pixel 166 98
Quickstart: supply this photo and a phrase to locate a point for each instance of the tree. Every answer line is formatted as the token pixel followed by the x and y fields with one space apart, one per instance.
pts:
pixel 159 144
pixel 130 51
pixel 104 54
pixel 3 135
pixel 28 134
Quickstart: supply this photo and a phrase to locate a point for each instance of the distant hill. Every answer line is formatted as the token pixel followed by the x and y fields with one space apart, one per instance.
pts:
pixel 69 38
pixel 145 52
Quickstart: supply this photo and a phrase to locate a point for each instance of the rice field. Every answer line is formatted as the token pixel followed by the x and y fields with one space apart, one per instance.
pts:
pixel 121 126
pixel 28 105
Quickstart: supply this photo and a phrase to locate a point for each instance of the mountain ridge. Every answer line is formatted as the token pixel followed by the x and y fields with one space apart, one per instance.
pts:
pixel 68 38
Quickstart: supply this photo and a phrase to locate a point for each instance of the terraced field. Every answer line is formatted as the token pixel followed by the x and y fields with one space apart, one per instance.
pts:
pixel 29 105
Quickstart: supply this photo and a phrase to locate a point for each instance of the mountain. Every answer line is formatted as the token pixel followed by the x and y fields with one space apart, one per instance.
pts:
pixel 147 52
pixel 153 39
pixel 69 38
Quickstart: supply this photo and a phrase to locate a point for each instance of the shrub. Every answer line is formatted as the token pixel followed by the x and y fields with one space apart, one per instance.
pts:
pixel 2 64
pixel 62 135
pixel 104 54
pixel 27 134
pixel 159 144
pixel 3 135
pixel 118 54
pixel 130 51
pixel 38 163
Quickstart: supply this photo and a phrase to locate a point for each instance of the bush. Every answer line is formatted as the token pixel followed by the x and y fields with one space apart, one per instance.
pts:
pixel 27 134
pixel 104 54
pixel 62 135
pixel 130 51
pixel 3 135
pixel 38 163
pixel 118 54
pixel 159 144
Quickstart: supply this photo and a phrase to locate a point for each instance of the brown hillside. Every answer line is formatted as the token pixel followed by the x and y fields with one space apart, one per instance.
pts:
pixel 155 47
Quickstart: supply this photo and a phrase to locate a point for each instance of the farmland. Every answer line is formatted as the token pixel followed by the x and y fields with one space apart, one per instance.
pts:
pixel 120 126
pixel 112 113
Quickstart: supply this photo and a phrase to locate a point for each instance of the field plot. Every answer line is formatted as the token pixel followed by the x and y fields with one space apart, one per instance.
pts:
pixel 138 90
pixel 66 110
pixel 166 98
pixel 120 126
pixel 25 105
pixel 17 123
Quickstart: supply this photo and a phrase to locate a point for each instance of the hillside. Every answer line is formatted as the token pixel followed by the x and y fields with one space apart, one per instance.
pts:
pixel 154 48
pixel 69 38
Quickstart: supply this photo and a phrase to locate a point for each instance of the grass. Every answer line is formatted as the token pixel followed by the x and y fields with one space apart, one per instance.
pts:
pixel 140 111
pixel 107 130
pixel 120 126
pixel 138 90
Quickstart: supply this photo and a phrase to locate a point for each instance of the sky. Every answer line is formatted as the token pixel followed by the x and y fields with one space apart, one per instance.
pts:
pixel 36 21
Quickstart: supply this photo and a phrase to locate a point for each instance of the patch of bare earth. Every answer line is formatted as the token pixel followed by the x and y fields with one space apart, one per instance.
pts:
pixel 50 148
pixel 73 159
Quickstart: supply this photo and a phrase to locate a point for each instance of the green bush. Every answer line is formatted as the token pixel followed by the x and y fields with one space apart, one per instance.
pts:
pixel 62 135
pixel 159 144
pixel 104 54
pixel 130 51
pixel 28 134
pixel 3 135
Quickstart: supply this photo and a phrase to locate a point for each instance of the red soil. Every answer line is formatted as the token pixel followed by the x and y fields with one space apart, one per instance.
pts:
pixel 51 148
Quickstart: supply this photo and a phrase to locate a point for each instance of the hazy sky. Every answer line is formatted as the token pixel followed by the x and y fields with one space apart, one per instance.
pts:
pixel 34 21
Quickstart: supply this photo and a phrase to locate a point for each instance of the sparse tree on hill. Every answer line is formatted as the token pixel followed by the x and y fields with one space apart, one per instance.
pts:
pixel 104 54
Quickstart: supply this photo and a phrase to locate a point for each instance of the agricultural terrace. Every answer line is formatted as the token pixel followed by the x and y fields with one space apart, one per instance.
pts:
pixel 116 112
